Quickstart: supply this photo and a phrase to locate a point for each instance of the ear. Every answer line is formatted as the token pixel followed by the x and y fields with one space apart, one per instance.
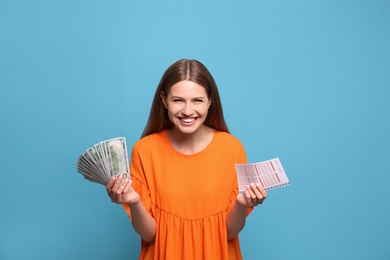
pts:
pixel 162 96
pixel 210 101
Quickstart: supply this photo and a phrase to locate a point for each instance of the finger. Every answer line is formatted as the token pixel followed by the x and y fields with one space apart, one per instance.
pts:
pixel 250 196
pixel 127 186
pixel 122 187
pixel 110 183
pixel 117 183
pixel 251 190
pixel 109 188
pixel 118 196
pixel 258 195
pixel 112 192
pixel 262 191
pixel 261 194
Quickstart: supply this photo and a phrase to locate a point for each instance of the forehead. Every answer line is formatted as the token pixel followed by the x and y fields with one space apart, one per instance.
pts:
pixel 187 88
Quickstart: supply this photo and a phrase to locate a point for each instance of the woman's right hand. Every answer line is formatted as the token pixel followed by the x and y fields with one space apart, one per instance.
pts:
pixel 121 192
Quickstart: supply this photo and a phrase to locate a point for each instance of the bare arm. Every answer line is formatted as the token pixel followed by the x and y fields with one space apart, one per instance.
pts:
pixel 122 193
pixel 143 223
pixel 235 220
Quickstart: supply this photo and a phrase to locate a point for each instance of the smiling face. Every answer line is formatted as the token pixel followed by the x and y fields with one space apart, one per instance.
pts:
pixel 187 104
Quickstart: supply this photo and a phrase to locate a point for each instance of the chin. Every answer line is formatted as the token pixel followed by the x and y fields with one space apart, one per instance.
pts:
pixel 188 129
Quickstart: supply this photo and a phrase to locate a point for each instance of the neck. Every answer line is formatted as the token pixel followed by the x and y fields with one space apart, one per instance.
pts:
pixel 191 143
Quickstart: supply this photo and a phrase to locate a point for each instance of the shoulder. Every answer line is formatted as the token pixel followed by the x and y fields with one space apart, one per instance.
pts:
pixel 229 147
pixel 227 138
pixel 228 141
pixel 151 141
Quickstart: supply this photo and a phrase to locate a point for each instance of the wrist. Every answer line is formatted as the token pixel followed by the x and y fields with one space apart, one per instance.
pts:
pixel 135 203
pixel 241 201
pixel 240 205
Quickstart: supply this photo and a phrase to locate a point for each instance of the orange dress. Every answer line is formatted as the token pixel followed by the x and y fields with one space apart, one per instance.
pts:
pixel 189 196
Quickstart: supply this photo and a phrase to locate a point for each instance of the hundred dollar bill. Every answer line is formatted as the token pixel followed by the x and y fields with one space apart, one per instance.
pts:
pixel 117 157
pixel 104 160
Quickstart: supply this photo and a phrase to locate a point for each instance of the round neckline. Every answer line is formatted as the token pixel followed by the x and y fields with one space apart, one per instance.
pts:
pixel 166 135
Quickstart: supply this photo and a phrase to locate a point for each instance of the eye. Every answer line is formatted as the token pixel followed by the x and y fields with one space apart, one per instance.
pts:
pixel 198 100
pixel 176 100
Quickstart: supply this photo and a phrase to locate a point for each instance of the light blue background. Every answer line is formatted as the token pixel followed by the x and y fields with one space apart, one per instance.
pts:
pixel 305 81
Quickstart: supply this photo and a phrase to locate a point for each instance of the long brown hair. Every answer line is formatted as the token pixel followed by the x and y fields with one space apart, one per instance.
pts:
pixel 191 70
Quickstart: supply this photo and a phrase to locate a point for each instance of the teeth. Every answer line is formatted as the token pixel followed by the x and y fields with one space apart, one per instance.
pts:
pixel 188 120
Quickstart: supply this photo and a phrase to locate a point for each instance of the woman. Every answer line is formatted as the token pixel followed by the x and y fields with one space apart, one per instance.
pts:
pixel 183 197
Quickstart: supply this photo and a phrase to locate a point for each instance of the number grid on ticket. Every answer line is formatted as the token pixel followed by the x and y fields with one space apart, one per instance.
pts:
pixel 269 174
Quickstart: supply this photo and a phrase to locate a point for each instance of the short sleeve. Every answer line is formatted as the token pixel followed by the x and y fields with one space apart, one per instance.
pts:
pixel 241 159
pixel 139 183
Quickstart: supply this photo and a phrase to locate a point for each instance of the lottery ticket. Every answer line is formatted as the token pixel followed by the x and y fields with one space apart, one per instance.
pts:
pixel 269 174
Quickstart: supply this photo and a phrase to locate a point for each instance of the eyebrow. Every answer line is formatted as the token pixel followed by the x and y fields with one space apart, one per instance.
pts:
pixel 191 98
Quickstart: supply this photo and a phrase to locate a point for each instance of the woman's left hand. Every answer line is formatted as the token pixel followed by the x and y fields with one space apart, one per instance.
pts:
pixel 254 195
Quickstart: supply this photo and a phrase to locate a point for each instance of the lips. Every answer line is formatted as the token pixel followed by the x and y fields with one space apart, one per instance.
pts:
pixel 187 120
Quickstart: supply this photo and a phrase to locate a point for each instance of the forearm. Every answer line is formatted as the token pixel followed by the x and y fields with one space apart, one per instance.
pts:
pixel 235 220
pixel 143 223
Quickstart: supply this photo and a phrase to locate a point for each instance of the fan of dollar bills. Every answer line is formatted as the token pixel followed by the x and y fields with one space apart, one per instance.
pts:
pixel 104 160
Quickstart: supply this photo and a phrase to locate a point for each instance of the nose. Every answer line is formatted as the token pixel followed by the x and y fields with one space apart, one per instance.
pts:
pixel 187 109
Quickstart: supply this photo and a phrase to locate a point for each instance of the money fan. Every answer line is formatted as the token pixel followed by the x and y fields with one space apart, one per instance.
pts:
pixel 104 160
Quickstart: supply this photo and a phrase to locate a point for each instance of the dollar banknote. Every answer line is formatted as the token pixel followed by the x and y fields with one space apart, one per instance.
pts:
pixel 104 160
